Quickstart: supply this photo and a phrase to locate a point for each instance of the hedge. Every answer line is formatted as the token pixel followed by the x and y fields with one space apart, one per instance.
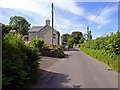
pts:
pixel 105 49
pixel 19 62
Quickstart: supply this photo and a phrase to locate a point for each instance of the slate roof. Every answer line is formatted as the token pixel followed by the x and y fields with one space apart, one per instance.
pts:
pixel 38 28
pixel 35 28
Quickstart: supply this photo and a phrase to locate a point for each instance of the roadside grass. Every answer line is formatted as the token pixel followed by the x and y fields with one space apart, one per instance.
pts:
pixel 112 61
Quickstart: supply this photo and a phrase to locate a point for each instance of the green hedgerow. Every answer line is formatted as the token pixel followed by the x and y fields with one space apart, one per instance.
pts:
pixel 105 49
pixel 19 62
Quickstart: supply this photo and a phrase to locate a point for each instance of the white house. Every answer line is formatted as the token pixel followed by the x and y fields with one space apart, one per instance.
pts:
pixel 45 32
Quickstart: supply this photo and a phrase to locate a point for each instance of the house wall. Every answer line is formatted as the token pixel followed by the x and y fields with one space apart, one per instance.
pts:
pixel 56 39
pixel 48 37
pixel 45 34
pixel 32 35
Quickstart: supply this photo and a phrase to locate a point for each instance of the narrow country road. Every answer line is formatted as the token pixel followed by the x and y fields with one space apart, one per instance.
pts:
pixel 78 70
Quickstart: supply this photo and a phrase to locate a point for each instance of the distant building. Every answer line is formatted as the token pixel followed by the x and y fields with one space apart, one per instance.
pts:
pixel 45 32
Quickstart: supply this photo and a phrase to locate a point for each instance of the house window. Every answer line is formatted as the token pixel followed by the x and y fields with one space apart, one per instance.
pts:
pixel 54 36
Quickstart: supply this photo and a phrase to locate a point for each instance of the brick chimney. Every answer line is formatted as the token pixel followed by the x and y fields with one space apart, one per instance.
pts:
pixel 47 22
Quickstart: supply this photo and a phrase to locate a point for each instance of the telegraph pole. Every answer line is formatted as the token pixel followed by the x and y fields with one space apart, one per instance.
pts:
pixel 52 22
pixel 89 36
pixel 87 33
pixel 87 28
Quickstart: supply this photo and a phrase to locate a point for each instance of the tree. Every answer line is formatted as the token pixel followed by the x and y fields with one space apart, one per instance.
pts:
pixel 65 38
pixel 5 29
pixel 77 36
pixel 81 40
pixel 70 42
pixel 20 24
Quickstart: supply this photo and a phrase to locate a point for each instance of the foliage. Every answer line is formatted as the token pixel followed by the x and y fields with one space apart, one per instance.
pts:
pixel 61 54
pixel 37 43
pixel 20 24
pixel 20 62
pixel 60 51
pixel 59 47
pixel 106 49
pixel 70 42
pixel 65 38
pixel 45 46
pixel 77 36
pixel 81 40
pixel 5 29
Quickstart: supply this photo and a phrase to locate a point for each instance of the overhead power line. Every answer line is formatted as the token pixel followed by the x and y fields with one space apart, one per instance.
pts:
pixel 98 14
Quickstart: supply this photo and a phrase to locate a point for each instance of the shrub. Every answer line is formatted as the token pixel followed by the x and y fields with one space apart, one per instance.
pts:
pixel 106 49
pixel 61 54
pixel 37 43
pixel 70 42
pixel 59 49
pixel 45 46
pixel 78 45
pixel 20 62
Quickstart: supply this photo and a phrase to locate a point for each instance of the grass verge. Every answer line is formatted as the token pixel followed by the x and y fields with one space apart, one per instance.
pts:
pixel 112 61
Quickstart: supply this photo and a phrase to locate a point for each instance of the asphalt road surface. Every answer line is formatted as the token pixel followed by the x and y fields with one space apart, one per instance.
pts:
pixel 78 70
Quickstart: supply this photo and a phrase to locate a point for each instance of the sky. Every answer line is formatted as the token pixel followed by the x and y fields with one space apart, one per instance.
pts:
pixel 69 16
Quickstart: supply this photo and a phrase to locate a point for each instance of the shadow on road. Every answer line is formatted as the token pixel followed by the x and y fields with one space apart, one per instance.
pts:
pixel 51 80
pixel 73 49
pixel 67 55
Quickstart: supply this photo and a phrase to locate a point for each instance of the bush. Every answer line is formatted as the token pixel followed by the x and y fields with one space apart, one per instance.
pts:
pixel 106 49
pixel 78 45
pixel 61 54
pixel 45 46
pixel 20 62
pixel 37 43
pixel 59 49
pixel 70 42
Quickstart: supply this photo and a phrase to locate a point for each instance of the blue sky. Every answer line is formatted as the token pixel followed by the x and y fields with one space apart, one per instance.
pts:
pixel 68 16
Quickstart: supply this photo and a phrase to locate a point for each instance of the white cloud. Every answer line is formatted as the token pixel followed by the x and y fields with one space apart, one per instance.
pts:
pixel 99 27
pixel 100 20
pixel 83 13
pixel 35 6
pixel 67 26
pixel 70 7
pixel 43 8
pixel 109 10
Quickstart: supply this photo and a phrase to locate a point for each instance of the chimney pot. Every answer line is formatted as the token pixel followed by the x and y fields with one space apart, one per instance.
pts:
pixel 47 22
